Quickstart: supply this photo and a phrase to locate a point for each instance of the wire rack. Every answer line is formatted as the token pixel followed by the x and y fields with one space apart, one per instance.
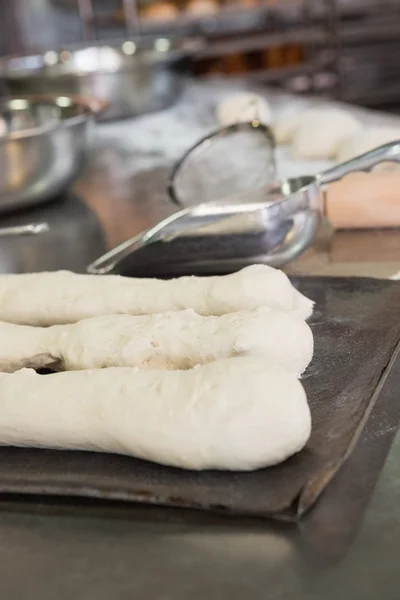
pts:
pixel 341 48
pixel 130 17
pixel 290 42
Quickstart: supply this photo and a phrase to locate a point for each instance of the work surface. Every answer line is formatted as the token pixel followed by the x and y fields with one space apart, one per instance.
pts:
pixel 49 550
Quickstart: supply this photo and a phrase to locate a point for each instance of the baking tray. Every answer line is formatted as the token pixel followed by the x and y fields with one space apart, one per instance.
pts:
pixel 356 326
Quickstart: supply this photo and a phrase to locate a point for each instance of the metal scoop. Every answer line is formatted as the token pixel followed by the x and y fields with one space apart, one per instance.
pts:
pixel 284 217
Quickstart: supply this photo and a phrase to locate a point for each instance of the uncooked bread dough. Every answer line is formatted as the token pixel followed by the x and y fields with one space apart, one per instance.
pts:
pixel 285 127
pixel 367 140
pixel 175 340
pixel 238 414
pixel 63 297
pixel 243 108
pixel 315 132
pixel 321 131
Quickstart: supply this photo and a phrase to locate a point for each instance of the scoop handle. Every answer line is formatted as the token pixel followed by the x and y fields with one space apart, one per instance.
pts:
pixel 364 201
pixel 365 162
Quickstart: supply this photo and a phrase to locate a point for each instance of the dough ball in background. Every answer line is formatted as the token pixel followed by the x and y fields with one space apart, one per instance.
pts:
pixel 243 108
pixel 286 126
pixel 367 140
pixel 321 131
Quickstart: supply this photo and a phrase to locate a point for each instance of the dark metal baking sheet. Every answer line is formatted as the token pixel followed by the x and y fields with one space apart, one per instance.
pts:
pixel 356 327
pixel 330 529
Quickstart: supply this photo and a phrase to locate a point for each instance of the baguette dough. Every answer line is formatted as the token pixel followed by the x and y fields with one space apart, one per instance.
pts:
pixel 239 414
pixel 43 299
pixel 174 340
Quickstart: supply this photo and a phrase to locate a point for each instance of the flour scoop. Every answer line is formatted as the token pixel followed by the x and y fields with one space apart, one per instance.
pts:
pixel 271 224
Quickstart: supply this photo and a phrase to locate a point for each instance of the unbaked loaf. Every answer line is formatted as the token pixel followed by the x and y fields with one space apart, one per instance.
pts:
pixel 316 132
pixel 243 108
pixel 240 414
pixel 61 297
pixel 175 340
pixel 367 140
pixel 321 131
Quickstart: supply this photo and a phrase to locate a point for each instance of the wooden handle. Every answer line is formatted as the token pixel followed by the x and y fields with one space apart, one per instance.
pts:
pixel 364 201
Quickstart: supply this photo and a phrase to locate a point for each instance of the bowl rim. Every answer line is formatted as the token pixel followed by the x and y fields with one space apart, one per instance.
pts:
pixel 91 106
pixel 11 67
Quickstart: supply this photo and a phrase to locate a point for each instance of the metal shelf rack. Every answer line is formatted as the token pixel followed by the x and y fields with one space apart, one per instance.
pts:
pixel 341 48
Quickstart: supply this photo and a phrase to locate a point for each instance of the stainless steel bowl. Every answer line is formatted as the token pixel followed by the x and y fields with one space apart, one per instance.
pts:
pixel 135 76
pixel 43 145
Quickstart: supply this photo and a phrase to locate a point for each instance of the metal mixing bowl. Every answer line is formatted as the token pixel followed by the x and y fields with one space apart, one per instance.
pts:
pixel 135 77
pixel 43 144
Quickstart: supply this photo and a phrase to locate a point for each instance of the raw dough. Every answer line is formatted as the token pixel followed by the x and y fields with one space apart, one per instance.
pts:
pixel 367 140
pixel 64 297
pixel 243 108
pixel 175 340
pixel 238 414
pixel 285 127
pixel 320 132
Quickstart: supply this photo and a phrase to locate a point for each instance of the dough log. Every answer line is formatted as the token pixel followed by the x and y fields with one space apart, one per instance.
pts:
pixel 316 132
pixel 174 340
pixel 321 131
pixel 62 297
pixel 243 108
pixel 239 414
pixel 367 140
